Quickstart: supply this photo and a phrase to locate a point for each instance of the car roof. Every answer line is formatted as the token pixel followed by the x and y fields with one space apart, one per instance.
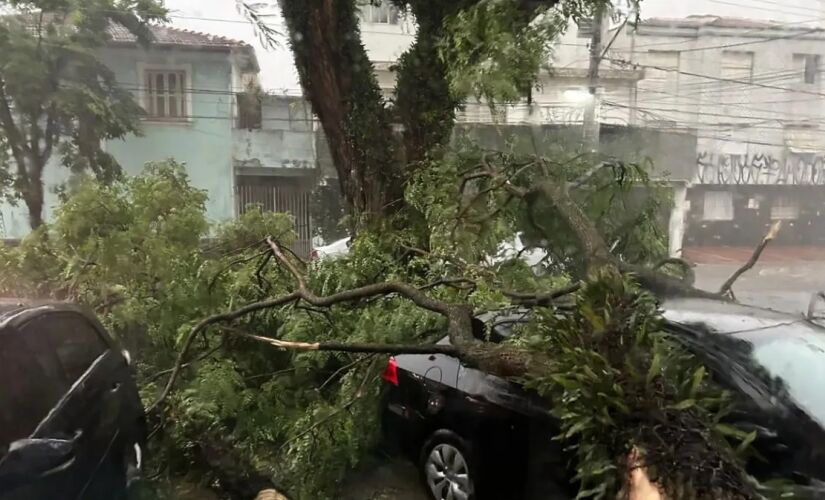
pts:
pixel 15 310
pixel 730 318
pixel 716 316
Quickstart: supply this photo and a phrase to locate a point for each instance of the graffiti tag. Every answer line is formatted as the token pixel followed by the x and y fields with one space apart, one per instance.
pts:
pixel 759 169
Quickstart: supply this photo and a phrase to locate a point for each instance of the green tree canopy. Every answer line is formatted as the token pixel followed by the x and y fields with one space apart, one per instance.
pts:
pixel 56 97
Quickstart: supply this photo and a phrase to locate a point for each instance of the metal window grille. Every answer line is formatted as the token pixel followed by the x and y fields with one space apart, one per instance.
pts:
pixel 165 94
pixel 279 194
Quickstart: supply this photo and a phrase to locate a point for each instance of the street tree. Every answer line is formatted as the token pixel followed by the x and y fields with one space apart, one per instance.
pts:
pixel 56 97
pixel 435 202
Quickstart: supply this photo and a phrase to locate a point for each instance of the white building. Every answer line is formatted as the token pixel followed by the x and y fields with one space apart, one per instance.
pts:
pixel 749 90
pixel 752 92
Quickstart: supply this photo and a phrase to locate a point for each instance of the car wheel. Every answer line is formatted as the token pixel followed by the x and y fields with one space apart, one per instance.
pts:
pixel 447 467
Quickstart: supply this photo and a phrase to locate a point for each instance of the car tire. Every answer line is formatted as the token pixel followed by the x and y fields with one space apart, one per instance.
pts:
pixel 447 466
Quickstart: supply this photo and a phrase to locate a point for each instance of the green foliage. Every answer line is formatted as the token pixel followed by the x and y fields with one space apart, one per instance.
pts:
pixel 56 92
pixel 626 205
pixel 618 382
pixel 495 50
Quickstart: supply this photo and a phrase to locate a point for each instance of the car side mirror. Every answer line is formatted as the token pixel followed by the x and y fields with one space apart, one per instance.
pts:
pixel 30 459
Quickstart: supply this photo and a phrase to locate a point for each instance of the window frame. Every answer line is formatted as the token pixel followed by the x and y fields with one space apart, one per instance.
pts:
pixel 810 67
pixel 143 70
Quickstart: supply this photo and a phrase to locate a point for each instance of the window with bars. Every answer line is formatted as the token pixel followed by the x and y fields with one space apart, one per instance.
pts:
pixel 380 14
pixel 718 206
pixel 166 94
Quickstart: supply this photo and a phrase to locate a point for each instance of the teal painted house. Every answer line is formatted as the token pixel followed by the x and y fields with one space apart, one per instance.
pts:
pixel 190 84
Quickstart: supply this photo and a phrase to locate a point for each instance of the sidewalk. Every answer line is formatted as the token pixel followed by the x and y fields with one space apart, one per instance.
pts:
pixel 773 254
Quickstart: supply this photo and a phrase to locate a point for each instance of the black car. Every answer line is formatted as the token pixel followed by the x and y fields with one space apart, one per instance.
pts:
pixel 71 421
pixel 476 435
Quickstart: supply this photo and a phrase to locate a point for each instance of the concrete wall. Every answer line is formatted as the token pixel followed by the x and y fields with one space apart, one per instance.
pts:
pixel 284 142
pixel 204 142
pixel 671 153
pixel 752 216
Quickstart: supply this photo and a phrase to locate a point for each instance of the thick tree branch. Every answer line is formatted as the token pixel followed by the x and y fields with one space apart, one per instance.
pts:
pixel 366 348
pixel 52 135
pixel 15 139
pixel 689 276
pixel 772 232
pixel 459 317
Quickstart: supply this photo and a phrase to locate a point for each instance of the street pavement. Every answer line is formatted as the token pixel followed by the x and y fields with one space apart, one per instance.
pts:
pixel 783 279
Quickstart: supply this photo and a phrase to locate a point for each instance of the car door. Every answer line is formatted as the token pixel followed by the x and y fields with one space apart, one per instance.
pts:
pixel 89 410
pixel 28 392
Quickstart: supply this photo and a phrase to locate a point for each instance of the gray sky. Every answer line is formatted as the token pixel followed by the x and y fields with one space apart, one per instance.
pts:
pixel 221 17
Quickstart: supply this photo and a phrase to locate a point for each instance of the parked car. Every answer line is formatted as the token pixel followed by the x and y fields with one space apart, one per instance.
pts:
pixel 71 421
pixel 475 435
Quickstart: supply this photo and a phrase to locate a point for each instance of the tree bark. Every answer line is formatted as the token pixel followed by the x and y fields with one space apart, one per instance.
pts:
pixel 339 80
pixel 424 104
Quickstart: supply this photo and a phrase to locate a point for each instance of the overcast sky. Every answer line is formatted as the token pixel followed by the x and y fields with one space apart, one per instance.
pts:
pixel 221 17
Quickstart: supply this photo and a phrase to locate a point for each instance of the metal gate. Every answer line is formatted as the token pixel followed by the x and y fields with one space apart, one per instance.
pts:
pixel 279 194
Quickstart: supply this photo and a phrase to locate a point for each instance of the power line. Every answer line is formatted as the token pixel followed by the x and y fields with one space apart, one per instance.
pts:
pixel 719 79
pixel 763 9
pixel 746 33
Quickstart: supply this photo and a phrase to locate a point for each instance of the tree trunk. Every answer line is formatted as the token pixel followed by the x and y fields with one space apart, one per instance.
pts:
pixel 424 104
pixel 339 81
pixel 33 194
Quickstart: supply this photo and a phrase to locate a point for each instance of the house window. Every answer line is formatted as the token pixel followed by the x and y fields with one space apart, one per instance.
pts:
pixel 718 206
pixel 291 195
pixel 380 14
pixel 165 94
pixel 249 110
pixel 737 65
pixel 784 208
pixel 808 65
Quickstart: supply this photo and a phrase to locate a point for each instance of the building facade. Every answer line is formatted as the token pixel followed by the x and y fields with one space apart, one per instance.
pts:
pixel 752 93
pixel 749 91
pixel 242 149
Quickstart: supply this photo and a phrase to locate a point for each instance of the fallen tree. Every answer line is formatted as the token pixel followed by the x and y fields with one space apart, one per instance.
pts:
pixel 650 418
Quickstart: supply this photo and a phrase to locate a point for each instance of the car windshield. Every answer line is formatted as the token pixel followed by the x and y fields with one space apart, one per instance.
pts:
pixel 799 362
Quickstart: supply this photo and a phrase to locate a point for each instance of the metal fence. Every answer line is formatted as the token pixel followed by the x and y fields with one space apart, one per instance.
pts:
pixel 279 194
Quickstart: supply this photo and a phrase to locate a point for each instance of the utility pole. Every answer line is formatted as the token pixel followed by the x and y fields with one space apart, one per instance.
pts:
pixel 591 121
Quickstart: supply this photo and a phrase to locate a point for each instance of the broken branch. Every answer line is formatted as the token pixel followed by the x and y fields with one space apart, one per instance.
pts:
pixel 367 348
pixel 459 319
pixel 772 232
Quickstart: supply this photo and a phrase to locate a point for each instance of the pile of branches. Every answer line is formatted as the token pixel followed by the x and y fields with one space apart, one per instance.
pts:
pixel 701 467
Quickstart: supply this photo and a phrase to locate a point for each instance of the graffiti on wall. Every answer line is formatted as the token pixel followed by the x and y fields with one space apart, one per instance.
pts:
pixel 759 169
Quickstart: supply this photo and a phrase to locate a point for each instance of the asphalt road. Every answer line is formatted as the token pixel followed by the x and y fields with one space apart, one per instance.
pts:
pixel 782 286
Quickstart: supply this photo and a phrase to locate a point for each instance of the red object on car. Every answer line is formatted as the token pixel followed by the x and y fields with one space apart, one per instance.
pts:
pixel 391 372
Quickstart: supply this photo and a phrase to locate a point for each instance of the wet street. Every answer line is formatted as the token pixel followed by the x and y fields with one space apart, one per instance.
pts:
pixel 780 285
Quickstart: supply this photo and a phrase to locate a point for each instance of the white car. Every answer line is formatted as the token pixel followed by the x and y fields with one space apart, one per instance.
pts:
pixel 506 251
pixel 334 249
